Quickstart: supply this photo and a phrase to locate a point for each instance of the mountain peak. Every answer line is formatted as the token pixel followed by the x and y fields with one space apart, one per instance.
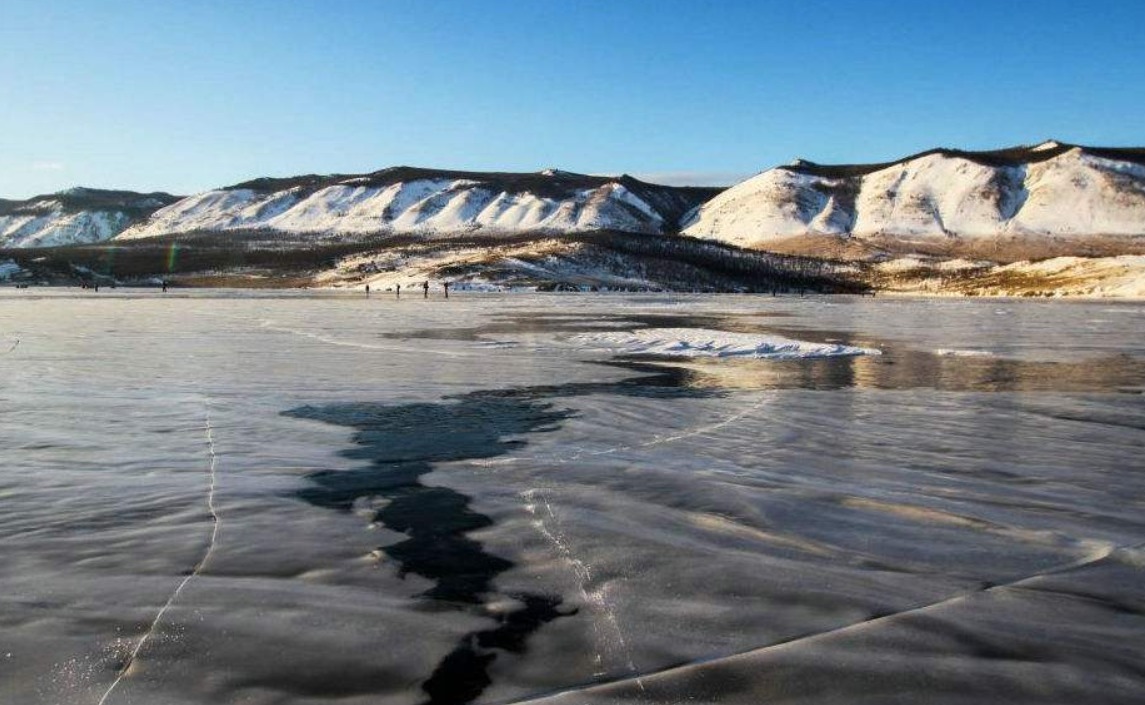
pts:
pixel 1047 145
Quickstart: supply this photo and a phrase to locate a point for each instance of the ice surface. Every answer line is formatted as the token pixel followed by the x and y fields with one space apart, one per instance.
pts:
pixel 907 527
pixel 968 352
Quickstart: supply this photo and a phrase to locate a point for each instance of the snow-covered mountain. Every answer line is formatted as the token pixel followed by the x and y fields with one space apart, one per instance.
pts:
pixel 424 201
pixel 75 216
pixel 1052 190
pixel 1046 200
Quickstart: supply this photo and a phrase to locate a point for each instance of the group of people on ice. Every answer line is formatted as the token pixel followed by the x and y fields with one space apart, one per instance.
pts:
pixel 424 290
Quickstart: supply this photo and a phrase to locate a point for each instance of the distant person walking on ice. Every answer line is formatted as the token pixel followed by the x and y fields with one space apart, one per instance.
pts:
pixel 398 289
pixel 446 286
pixel 425 290
pixel 367 291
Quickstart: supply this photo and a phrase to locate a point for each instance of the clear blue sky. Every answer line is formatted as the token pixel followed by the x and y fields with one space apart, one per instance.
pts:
pixel 183 96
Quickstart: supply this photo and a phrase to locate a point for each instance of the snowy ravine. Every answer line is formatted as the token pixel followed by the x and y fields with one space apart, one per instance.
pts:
pixel 1052 190
pixel 423 201
pixel 75 216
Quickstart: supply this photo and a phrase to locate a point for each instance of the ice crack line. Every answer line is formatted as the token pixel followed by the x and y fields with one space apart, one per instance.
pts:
pixel 209 432
pixel 690 433
pixel 660 440
pixel 655 441
pixel 424 350
pixel 1095 556
pixel 14 346
pixel 547 523
pixel 597 598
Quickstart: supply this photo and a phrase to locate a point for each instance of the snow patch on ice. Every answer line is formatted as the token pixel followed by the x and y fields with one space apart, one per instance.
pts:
pixel 702 342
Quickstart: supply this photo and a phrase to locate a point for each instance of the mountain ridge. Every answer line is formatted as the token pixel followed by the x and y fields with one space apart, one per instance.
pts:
pixel 1008 156
pixel 1045 194
pixel 405 199
pixel 1054 196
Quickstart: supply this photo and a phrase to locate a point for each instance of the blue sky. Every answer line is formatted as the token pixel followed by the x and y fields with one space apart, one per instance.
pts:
pixel 184 96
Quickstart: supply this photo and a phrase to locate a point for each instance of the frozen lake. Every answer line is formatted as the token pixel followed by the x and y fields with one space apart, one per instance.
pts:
pixel 287 497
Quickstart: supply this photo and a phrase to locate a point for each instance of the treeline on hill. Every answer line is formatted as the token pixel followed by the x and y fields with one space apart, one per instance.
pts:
pixel 682 262
pixel 720 265
pixel 266 252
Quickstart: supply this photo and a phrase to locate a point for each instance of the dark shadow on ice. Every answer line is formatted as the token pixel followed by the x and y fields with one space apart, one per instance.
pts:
pixel 401 443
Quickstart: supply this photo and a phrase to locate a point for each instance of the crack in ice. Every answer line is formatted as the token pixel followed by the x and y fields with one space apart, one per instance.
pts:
pixel 1098 554
pixel 583 572
pixel 597 598
pixel 209 431
pixel 270 325
pixel 656 440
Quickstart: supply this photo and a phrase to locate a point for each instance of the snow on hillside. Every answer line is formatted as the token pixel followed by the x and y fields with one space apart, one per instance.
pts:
pixel 1088 277
pixel 779 202
pixel 75 216
pixel 404 200
pixel 1052 189
pixel 1082 194
pixel 51 226
pixel 935 196
pixel 524 266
